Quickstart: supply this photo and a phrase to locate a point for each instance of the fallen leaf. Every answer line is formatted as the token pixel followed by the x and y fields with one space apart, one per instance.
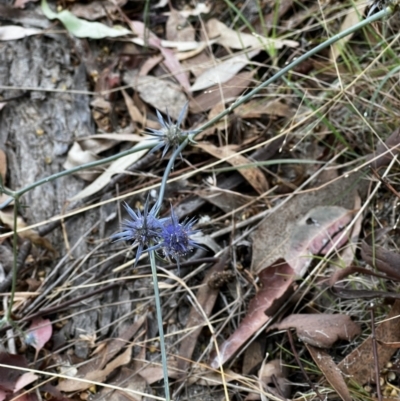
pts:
pixel 178 28
pixel 9 377
pixel 316 233
pixel 206 298
pixel 13 32
pixel 271 240
pixel 238 40
pixel 116 167
pixel 257 108
pixel 3 166
pixel 200 8
pixel 186 49
pixel 320 330
pixel 274 373
pixel 100 142
pixel 360 364
pixel 377 256
pixel 224 93
pixel 226 200
pixel 161 94
pixel 253 356
pixel 137 116
pixel 152 373
pixel 385 151
pixel 24 380
pixel 21 3
pixel 126 379
pixel 82 28
pixel 346 257
pixel 99 375
pixel 353 17
pixel 96 9
pixel 214 378
pixel 223 71
pixel 146 38
pixel 275 282
pixel 39 333
pixel 253 175
pixel 93 369
pixel 77 156
pixel 7 217
pixel 331 372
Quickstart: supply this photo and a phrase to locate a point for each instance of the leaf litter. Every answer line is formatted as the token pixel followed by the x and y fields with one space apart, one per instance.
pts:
pixel 162 64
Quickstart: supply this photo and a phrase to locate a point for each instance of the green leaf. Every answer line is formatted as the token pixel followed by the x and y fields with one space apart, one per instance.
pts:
pixel 82 28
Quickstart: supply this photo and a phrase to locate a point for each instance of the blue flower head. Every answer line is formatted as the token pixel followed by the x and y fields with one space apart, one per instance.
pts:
pixel 176 237
pixel 169 135
pixel 144 229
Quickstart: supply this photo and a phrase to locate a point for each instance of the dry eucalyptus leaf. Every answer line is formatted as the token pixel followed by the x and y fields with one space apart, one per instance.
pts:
pixel 275 282
pixel 331 372
pixel 178 28
pixel 384 260
pixel 217 94
pixel 210 378
pixel 223 71
pixel 3 165
pixel 260 107
pixel 352 18
pixel 146 38
pixel 320 330
pixel 160 93
pixel 7 217
pixel 275 370
pixel 13 32
pixel 238 40
pixel 154 372
pixel 253 175
pixel 316 232
pixel 113 137
pixel 271 241
pixel 385 151
pixel 98 376
pixel 127 379
pixel 96 9
pixel 206 298
pixel 360 364
pixel 116 167
pixel 77 157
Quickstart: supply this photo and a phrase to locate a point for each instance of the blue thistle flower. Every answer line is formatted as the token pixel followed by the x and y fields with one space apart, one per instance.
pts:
pixel 176 237
pixel 144 229
pixel 169 135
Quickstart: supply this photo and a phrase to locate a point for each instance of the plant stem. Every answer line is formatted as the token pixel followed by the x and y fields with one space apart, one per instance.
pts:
pixel 15 244
pixel 168 169
pixel 160 324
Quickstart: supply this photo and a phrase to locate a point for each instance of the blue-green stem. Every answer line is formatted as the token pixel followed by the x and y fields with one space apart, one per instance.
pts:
pixel 160 324
pixel 15 244
pixel 168 169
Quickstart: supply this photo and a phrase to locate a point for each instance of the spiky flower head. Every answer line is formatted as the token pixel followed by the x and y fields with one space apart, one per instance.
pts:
pixel 176 237
pixel 170 135
pixel 144 229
